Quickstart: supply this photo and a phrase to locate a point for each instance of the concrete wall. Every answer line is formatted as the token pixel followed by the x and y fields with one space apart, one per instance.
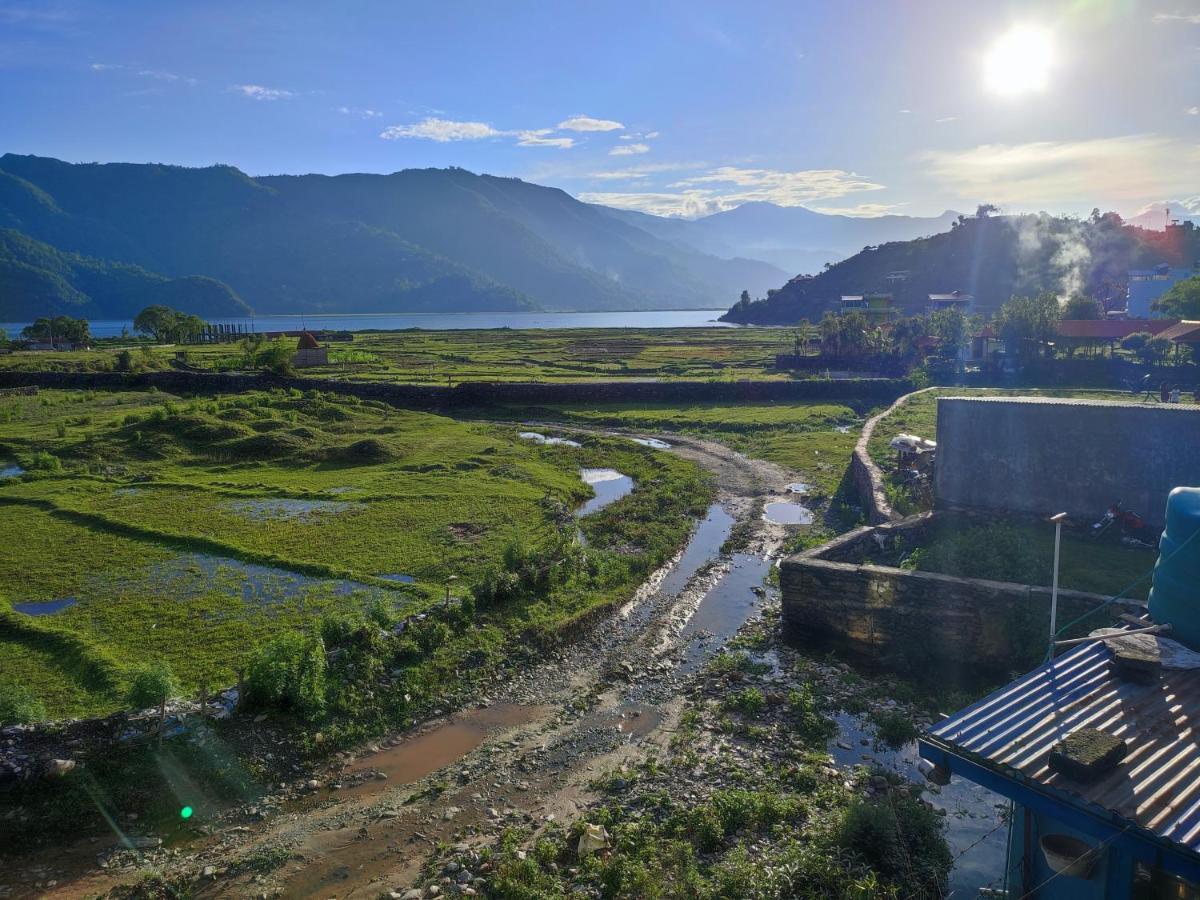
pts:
pixel 1044 456
pixel 917 622
pixel 481 393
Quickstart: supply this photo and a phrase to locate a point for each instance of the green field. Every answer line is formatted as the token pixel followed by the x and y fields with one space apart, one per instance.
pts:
pixel 191 530
pixel 441 357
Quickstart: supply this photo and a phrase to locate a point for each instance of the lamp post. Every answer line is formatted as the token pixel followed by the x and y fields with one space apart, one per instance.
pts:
pixel 1057 520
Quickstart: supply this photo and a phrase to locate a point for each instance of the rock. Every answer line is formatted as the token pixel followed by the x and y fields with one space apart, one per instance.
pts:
pixel 313 784
pixel 209 872
pixel 57 768
pixel 413 894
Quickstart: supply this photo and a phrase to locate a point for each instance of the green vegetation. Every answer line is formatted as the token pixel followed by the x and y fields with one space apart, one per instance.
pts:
pixel 168 325
pixel 1182 301
pixel 1023 552
pixel 192 531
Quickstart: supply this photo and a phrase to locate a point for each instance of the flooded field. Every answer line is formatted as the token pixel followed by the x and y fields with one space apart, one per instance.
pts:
pixel 284 508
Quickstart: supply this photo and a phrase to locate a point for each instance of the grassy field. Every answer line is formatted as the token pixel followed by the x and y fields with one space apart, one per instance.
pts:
pixel 440 357
pixel 191 530
pixel 919 416
pixel 815 439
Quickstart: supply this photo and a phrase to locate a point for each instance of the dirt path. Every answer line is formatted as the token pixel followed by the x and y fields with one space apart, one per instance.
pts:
pixel 526 754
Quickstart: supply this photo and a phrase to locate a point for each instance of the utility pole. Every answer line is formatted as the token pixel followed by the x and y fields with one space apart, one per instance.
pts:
pixel 1057 520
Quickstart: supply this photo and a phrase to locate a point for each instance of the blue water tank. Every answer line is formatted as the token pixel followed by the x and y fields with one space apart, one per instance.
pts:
pixel 1175 596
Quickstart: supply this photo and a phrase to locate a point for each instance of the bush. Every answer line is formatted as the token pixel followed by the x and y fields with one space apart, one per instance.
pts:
pixel 900 838
pixel 749 702
pixel 288 673
pixel 894 729
pixel 18 706
pixel 810 723
pixel 151 685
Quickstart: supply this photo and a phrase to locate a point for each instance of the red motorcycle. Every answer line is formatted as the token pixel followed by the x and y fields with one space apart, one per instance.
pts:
pixel 1125 527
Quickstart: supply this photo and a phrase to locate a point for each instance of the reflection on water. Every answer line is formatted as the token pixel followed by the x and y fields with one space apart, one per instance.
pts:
pixel 609 485
pixel 725 608
pixel 652 442
pixel 11 472
pixel 290 509
pixel 787 512
pixel 45 607
pixel 539 438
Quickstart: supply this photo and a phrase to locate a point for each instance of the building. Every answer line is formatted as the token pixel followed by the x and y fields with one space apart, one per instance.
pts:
pixel 309 352
pixel 878 308
pixel 1090 832
pixel 1107 332
pixel 964 303
pixel 1147 285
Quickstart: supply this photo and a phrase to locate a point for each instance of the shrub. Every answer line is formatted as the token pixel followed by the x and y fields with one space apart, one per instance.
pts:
pixel 18 706
pixel 810 723
pixel 152 684
pixel 288 673
pixel 901 839
pixel 749 702
pixel 895 729
pixel 40 461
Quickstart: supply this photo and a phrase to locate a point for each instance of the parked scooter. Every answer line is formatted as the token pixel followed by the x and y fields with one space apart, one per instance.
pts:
pixel 1125 527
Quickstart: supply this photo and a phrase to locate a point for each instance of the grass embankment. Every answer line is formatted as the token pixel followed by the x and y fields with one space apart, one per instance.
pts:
pixel 1023 552
pixel 490 355
pixel 192 531
pixel 918 416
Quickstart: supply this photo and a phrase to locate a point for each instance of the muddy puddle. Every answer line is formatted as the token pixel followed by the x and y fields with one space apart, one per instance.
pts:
pixel 703 547
pixel 974 822
pixel 288 509
pixel 421 755
pixel 45 607
pixel 788 512
pixel 652 442
pixel 724 609
pixel 609 486
pixel 539 438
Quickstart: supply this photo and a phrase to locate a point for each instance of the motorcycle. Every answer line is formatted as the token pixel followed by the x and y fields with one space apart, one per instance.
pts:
pixel 1125 527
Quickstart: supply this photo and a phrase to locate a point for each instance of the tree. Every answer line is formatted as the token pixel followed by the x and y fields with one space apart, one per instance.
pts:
pixel 153 685
pixel 1182 301
pixel 950 327
pixel 1146 346
pixel 1081 306
pixel 906 337
pixel 60 329
pixel 1028 323
pixel 276 357
pixel 156 321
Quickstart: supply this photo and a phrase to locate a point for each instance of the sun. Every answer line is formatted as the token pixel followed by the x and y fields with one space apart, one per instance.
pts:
pixel 1019 62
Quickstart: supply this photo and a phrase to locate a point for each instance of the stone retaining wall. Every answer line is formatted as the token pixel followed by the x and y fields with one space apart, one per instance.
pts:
pixel 479 393
pixel 913 621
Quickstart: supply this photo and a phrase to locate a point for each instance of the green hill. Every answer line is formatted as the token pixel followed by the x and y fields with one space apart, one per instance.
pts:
pixel 37 280
pixel 443 239
pixel 992 257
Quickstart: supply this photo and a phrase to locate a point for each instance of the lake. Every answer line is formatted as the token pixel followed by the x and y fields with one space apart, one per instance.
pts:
pixel 653 318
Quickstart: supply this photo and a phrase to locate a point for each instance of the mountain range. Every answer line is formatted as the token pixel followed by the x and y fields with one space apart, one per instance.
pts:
pixel 99 239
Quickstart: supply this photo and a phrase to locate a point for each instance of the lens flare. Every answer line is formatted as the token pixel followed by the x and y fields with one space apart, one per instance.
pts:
pixel 185 813
pixel 1019 62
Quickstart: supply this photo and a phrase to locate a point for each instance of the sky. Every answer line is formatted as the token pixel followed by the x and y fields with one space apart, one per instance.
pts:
pixel 669 107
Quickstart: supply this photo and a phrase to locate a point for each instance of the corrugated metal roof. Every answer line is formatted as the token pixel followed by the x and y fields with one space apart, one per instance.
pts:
pixel 1156 787
pixel 1110 329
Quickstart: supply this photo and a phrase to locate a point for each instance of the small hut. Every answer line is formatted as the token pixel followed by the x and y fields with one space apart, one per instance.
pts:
pixel 309 352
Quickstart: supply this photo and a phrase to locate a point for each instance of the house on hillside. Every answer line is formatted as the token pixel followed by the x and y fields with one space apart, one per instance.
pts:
pixel 964 303
pixel 1147 285
pixel 309 352
pixel 878 308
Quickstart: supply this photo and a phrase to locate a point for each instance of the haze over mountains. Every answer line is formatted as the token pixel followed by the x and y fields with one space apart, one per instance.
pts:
pixel 104 239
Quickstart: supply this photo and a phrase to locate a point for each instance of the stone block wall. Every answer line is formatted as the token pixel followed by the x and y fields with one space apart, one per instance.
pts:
pixel 1044 456
pixel 920 622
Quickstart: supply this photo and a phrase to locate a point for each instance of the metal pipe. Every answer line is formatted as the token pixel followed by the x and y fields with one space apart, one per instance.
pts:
pixel 1057 520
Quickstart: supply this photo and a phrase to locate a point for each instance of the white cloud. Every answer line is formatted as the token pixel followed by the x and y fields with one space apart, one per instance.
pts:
pixel 1193 111
pixel 859 210
pixel 1189 18
pixel 587 123
pixel 945 119
pixel 1129 168
pixel 359 112
pixel 158 75
pixel 629 150
pixel 540 138
pixel 632 173
pixel 442 131
pixel 650 135
pixel 729 186
pixel 106 67
pixel 258 92
pixel 904 112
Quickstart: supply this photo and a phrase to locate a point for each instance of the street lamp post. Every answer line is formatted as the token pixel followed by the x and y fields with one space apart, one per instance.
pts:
pixel 1057 520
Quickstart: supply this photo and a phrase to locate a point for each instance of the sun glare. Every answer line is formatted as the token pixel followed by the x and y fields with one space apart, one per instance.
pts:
pixel 1019 62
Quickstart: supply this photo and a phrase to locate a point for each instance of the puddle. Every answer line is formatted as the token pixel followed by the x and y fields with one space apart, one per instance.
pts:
pixel 193 575
pixel 292 510
pixel 542 439
pixel 971 811
pixel 609 485
pixel 11 472
pixel 786 512
pixel 128 492
pixel 724 609
pixel 798 487
pixel 45 607
pixel 398 576
pixel 703 546
pixel 442 746
pixel 652 442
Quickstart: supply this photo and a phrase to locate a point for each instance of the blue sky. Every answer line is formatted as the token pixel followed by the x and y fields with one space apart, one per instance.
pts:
pixel 669 107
